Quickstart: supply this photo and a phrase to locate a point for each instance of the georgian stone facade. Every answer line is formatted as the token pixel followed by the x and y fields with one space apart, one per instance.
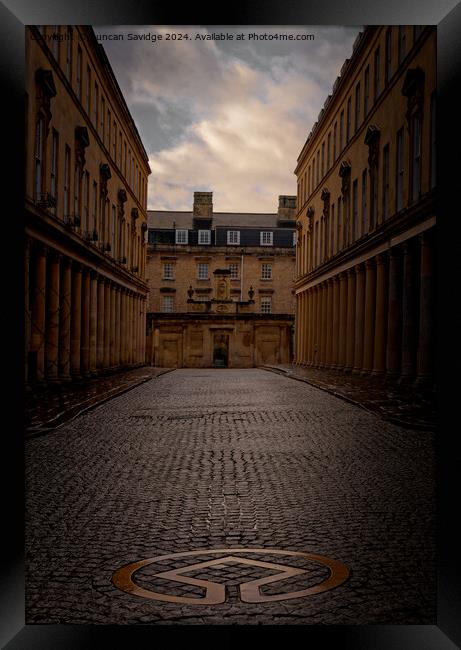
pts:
pixel 365 260
pixel 85 212
pixel 221 286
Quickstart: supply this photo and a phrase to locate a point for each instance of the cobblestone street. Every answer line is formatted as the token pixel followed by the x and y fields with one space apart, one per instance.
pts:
pixel 207 459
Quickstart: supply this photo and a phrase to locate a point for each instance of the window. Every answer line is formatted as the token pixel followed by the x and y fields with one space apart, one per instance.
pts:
pixel 181 236
pixel 234 271
pixel 66 206
pixel 329 151
pixel 433 168
pixel 332 229
pixel 335 129
pixel 109 127
pixel 415 157
pixel 77 177
pixel 318 167
pixel 54 164
pixel 366 96
pixel 373 196
pixel 266 238
pixel 377 73
pixel 69 54
pixel 388 70
pixel 266 271
pixel 309 184
pixel 402 42
pixel 348 119
pixel 399 170
pixel 204 236
pixel 39 154
pixel 338 225
pixel 364 201
pixel 86 201
pixel 266 305
pixel 103 119
pixel 341 131
pixel 95 206
pixel 355 210
pixel 323 159
pixel 114 144
pixel 79 73
pixel 202 271
pixel 96 105
pixel 313 174
pixel 386 182
pixel 233 237
pixel 112 230
pixel 167 304
pixel 88 89
pixel 357 107
pixel 124 158
pixel 55 42
pixel 317 244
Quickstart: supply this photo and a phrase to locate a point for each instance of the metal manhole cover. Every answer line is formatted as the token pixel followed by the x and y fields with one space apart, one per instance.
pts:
pixel 183 577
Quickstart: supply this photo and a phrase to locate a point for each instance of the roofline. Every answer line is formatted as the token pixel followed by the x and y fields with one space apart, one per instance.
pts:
pixel 362 38
pixel 275 214
pixel 99 49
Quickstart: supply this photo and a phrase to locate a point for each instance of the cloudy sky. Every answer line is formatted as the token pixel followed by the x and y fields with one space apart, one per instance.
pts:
pixel 229 117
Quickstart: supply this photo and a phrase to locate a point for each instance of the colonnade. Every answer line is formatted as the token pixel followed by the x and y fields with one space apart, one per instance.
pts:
pixel 376 317
pixel 78 322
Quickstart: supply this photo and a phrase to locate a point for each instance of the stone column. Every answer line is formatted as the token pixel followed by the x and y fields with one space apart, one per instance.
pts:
pixel 123 328
pixel 350 320
pixel 310 312
pixel 38 312
pixel 359 318
pixel 336 333
pixel 65 319
pixel 300 316
pixel 112 327
pixel 318 326
pixel 394 318
pixel 52 317
pixel 144 330
pixel 117 326
pixel 296 359
pixel 107 314
pixel 379 360
pixel 408 313
pixel 307 308
pixel 426 329
pixel 85 349
pixel 342 319
pixel 93 320
pixel 323 336
pixel 129 328
pixel 100 324
pixel 76 320
pixel 369 326
pixel 329 352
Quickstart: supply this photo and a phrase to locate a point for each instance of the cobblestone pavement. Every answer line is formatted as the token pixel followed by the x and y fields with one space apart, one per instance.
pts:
pixel 50 406
pixel 405 405
pixel 208 459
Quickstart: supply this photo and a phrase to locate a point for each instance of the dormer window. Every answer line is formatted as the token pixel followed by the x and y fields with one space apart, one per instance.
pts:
pixel 204 236
pixel 266 238
pixel 182 236
pixel 233 236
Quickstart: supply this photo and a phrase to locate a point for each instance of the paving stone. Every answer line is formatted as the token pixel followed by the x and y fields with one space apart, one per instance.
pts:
pixel 251 459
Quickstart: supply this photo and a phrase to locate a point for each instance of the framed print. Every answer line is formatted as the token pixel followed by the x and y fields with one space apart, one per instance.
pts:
pixel 360 114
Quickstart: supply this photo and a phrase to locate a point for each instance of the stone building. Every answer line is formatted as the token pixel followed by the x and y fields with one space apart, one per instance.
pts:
pixel 85 212
pixel 221 286
pixel 366 219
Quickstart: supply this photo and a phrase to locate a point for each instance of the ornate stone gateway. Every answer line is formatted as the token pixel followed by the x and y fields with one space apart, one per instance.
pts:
pixel 178 578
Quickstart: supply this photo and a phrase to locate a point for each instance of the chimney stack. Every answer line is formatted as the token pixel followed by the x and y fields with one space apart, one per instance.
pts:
pixel 287 208
pixel 203 204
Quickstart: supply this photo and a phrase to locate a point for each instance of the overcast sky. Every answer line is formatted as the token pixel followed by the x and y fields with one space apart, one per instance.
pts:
pixel 229 117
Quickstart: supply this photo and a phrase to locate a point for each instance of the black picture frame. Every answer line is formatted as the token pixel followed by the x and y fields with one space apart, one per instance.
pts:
pixel 14 14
